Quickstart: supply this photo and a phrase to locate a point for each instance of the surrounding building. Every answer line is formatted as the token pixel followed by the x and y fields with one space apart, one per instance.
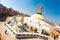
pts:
pixel 35 24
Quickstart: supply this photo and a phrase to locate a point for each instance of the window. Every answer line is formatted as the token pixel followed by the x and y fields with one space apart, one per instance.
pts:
pixel 27 34
pixel 9 22
pixel 34 35
pixel 23 34
pixel 32 28
pixel 27 26
pixel 18 35
pixel 35 30
pixel 45 32
pixel 31 34
pixel 37 35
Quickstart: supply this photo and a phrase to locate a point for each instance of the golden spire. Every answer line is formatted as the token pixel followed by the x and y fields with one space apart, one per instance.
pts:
pixel 22 19
pixel 40 10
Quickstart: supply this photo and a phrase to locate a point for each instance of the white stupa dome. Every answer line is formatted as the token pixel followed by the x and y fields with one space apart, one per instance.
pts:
pixel 37 16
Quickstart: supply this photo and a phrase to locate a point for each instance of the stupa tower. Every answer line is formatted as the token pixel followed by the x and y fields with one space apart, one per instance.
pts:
pixel 40 10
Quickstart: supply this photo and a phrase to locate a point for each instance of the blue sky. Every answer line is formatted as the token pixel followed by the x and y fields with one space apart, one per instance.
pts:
pixel 51 8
